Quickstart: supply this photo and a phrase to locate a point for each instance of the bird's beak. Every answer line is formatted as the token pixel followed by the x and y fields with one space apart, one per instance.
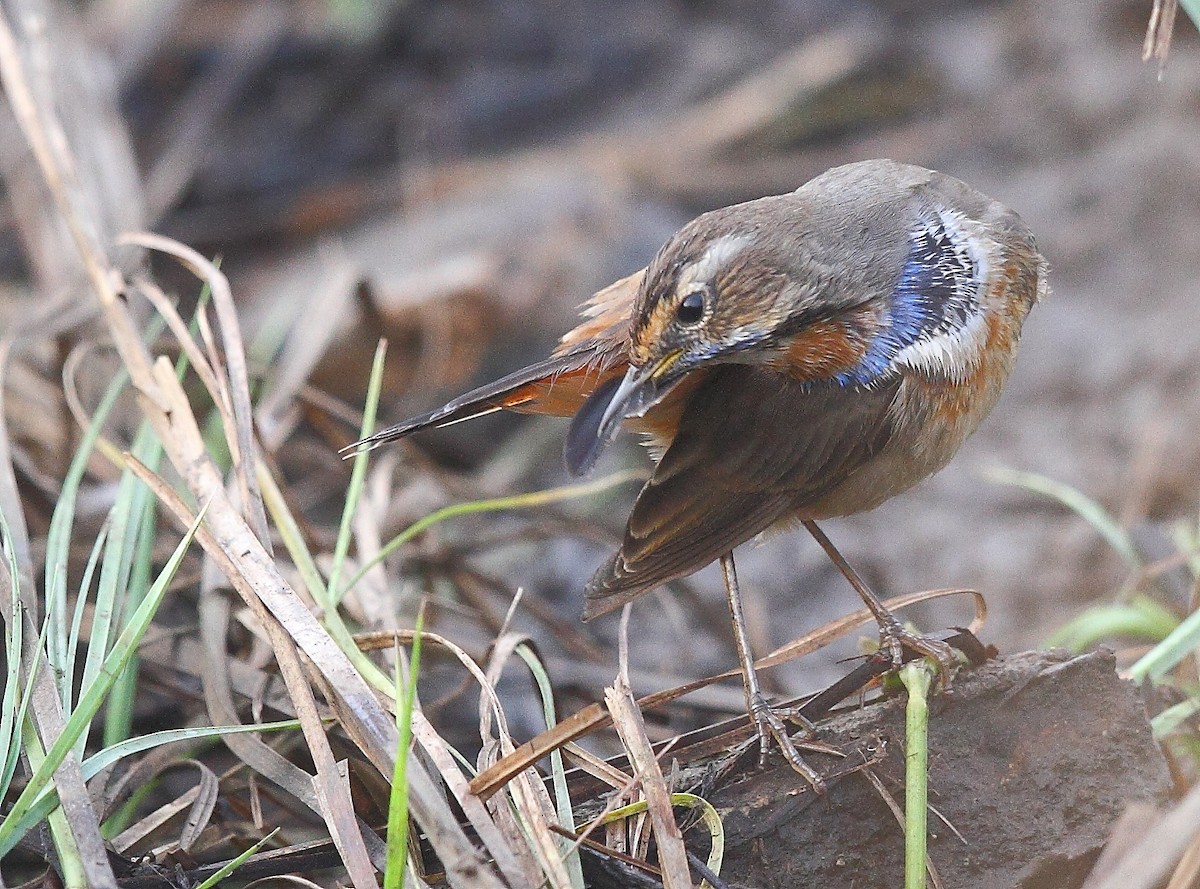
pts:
pixel 596 423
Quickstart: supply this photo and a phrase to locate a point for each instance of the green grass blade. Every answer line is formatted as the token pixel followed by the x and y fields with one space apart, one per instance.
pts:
pixel 331 618
pixel 558 772
pixel 358 475
pixel 1140 618
pixel 293 541
pixel 708 813
pixel 70 864
pixel 1173 717
pixel 10 736
pixel 102 759
pixel 517 501
pixel 114 577
pixel 1162 658
pixel 1076 501
pixel 716 829
pixel 1186 537
pixel 230 867
pixel 133 563
pixel 59 534
pixel 47 800
pixel 58 542
pixel 10 726
pixel 93 696
pixel 397 826
pixel 118 712
pixel 85 586
pixel 22 710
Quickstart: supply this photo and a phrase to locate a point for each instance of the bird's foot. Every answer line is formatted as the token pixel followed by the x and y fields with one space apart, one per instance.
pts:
pixel 894 638
pixel 769 723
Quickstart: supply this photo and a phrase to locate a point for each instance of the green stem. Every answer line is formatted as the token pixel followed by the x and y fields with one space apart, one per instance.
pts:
pixel 518 501
pixel 917 677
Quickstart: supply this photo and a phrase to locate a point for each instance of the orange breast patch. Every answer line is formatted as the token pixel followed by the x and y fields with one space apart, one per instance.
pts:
pixel 822 350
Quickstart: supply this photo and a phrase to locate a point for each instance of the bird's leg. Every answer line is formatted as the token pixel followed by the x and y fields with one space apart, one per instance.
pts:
pixel 892 633
pixel 767 722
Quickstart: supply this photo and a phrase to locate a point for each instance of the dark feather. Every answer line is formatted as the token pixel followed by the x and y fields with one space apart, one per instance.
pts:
pixel 753 448
pixel 584 441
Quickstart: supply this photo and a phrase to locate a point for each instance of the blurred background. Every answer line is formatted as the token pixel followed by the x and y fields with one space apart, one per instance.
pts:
pixel 460 176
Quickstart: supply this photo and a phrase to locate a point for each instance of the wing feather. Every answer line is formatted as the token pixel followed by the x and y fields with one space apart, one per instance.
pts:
pixel 752 449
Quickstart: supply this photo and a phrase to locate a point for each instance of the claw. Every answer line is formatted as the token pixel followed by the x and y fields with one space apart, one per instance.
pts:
pixel 769 725
pixel 895 638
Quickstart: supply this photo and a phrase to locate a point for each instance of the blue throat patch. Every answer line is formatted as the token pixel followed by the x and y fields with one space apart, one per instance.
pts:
pixel 936 293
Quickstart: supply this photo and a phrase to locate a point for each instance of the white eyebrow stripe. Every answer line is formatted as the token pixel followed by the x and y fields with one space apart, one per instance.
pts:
pixel 716 256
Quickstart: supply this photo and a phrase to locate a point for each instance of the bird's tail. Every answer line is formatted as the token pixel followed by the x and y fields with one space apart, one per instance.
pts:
pixel 591 354
pixel 556 386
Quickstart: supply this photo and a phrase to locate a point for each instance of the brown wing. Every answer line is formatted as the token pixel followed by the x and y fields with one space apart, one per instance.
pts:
pixel 592 353
pixel 752 448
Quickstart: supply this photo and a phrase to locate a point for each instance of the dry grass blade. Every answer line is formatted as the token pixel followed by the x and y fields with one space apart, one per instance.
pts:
pixel 68 778
pixel 1152 858
pixel 1188 870
pixel 594 716
pixel 137 832
pixel 47 715
pixel 200 800
pixel 333 791
pixel 1157 44
pixel 235 546
pixel 241 435
pixel 82 416
pixel 609 852
pixel 508 856
pixel 594 765
pixel 627 719
pixel 250 567
pixel 512 858
pixel 285 878
pixel 218 696
pixel 333 797
pixel 196 358
pixel 253 574
pixel 835 629
pixel 529 797
pixel 202 810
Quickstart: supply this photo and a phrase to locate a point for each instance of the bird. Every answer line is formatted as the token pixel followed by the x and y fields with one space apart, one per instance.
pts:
pixel 790 359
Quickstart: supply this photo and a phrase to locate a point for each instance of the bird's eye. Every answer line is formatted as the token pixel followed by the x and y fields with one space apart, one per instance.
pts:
pixel 690 308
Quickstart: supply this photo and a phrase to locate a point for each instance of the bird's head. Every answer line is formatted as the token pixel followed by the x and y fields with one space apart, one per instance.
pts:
pixel 718 292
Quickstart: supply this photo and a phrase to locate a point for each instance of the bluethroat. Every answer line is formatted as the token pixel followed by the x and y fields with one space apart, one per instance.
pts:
pixel 791 359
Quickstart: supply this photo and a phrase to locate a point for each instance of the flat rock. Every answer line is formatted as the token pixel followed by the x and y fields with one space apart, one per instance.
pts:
pixel 1033 757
